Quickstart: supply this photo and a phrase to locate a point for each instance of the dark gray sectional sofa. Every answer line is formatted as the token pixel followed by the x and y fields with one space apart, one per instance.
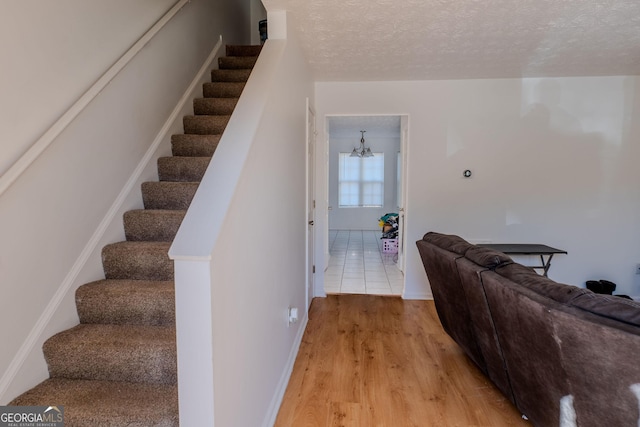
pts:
pixel 563 355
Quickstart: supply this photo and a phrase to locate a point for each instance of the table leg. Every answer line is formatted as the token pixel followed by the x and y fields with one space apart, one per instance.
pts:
pixel 546 265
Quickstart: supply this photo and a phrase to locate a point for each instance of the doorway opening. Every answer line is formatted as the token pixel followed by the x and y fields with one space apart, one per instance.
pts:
pixel 365 173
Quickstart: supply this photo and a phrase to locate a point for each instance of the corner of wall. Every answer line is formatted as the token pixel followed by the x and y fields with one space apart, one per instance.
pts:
pixel 277 24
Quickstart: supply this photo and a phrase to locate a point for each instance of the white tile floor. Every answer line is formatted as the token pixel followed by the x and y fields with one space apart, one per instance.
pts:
pixel 358 266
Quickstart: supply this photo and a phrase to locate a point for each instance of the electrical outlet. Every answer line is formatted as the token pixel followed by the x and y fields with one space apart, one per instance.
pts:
pixel 292 315
pixel 637 268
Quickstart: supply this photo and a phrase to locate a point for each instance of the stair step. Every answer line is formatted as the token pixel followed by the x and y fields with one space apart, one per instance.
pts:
pixel 222 89
pixel 182 169
pixel 107 403
pixel 205 125
pixel 131 302
pixel 243 50
pixel 236 62
pixel 230 75
pixel 137 261
pixel 194 145
pixel 168 195
pixel 211 106
pixel 152 225
pixel 141 354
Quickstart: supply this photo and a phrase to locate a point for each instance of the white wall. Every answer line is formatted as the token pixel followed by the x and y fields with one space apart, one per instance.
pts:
pixel 51 214
pixel 240 252
pixel 52 52
pixel 554 161
pixel 363 218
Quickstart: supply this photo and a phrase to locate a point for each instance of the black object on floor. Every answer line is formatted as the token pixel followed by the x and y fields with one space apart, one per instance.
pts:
pixel 601 286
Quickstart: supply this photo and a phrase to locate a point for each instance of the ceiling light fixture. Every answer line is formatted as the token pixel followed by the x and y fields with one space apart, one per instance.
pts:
pixel 362 152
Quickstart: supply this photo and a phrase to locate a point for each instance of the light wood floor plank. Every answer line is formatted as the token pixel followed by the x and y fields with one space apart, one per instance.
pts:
pixel 378 361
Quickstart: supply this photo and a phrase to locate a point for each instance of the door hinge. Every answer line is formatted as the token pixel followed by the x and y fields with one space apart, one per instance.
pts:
pixel 314 204
pixel 314 270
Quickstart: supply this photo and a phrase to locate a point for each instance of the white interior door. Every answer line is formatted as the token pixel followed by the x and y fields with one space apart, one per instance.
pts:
pixel 311 203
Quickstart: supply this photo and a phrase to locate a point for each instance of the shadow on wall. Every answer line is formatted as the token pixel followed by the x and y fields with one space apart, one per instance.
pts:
pixel 539 159
pixel 560 163
pixel 555 169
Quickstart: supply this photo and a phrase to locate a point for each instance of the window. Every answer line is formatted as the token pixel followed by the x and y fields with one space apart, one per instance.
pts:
pixel 361 181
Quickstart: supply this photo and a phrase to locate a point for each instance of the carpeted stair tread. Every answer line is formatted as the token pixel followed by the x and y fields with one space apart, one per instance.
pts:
pixel 107 403
pixel 230 75
pixel 243 50
pixel 144 354
pixel 133 302
pixel 236 62
pixel 205 125
pixel 211 106
pixel 223 89
pixel 182 169
pixel 137 261
pixel 194 145
pixel 154 225
pixel 168 195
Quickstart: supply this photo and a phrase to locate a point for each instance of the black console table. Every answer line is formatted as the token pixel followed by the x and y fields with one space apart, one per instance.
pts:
pixel 527 249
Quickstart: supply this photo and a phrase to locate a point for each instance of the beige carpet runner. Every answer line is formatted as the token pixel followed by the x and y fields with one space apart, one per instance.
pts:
pixel 118 366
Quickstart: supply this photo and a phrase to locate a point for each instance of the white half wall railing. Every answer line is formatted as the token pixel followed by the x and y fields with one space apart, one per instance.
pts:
pixel 194 243
pixel 14 172
pixel 236 345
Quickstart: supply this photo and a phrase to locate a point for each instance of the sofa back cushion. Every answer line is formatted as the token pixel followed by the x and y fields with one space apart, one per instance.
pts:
pixel 486 257
pixel 527 277
pixel 483 326
pixel 600 355
pixel 449 242
pixel 449 297
pixel 609 306
pixel 529 346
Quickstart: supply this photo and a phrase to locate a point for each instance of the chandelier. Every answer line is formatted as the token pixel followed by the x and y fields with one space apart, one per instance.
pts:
pixel 362 152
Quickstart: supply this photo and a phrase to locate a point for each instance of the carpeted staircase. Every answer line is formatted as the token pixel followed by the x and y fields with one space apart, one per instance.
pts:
pixel 118 366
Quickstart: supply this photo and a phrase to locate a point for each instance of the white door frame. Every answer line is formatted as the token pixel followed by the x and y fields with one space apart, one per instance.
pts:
pixel 311 204
pixel 404 138
pixel 322 174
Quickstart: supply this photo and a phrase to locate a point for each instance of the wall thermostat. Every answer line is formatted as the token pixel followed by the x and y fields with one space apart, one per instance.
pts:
pixel 466 173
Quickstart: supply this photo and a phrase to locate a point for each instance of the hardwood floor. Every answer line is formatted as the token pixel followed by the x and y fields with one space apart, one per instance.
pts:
pixel 368 360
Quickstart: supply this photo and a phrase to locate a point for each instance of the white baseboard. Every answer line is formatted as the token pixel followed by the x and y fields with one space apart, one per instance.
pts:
pixel 274 407
pixel 417 296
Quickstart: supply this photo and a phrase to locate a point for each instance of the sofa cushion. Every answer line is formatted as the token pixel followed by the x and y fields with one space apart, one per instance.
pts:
pixel 449 298
pixel 482 323
pixel 531 353
pixel 527 277
pixel 449 242
pixel 486 257
pixel 610 306
pixel 600 356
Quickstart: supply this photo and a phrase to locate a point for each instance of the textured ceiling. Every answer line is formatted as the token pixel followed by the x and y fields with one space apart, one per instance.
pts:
pixel 368 40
